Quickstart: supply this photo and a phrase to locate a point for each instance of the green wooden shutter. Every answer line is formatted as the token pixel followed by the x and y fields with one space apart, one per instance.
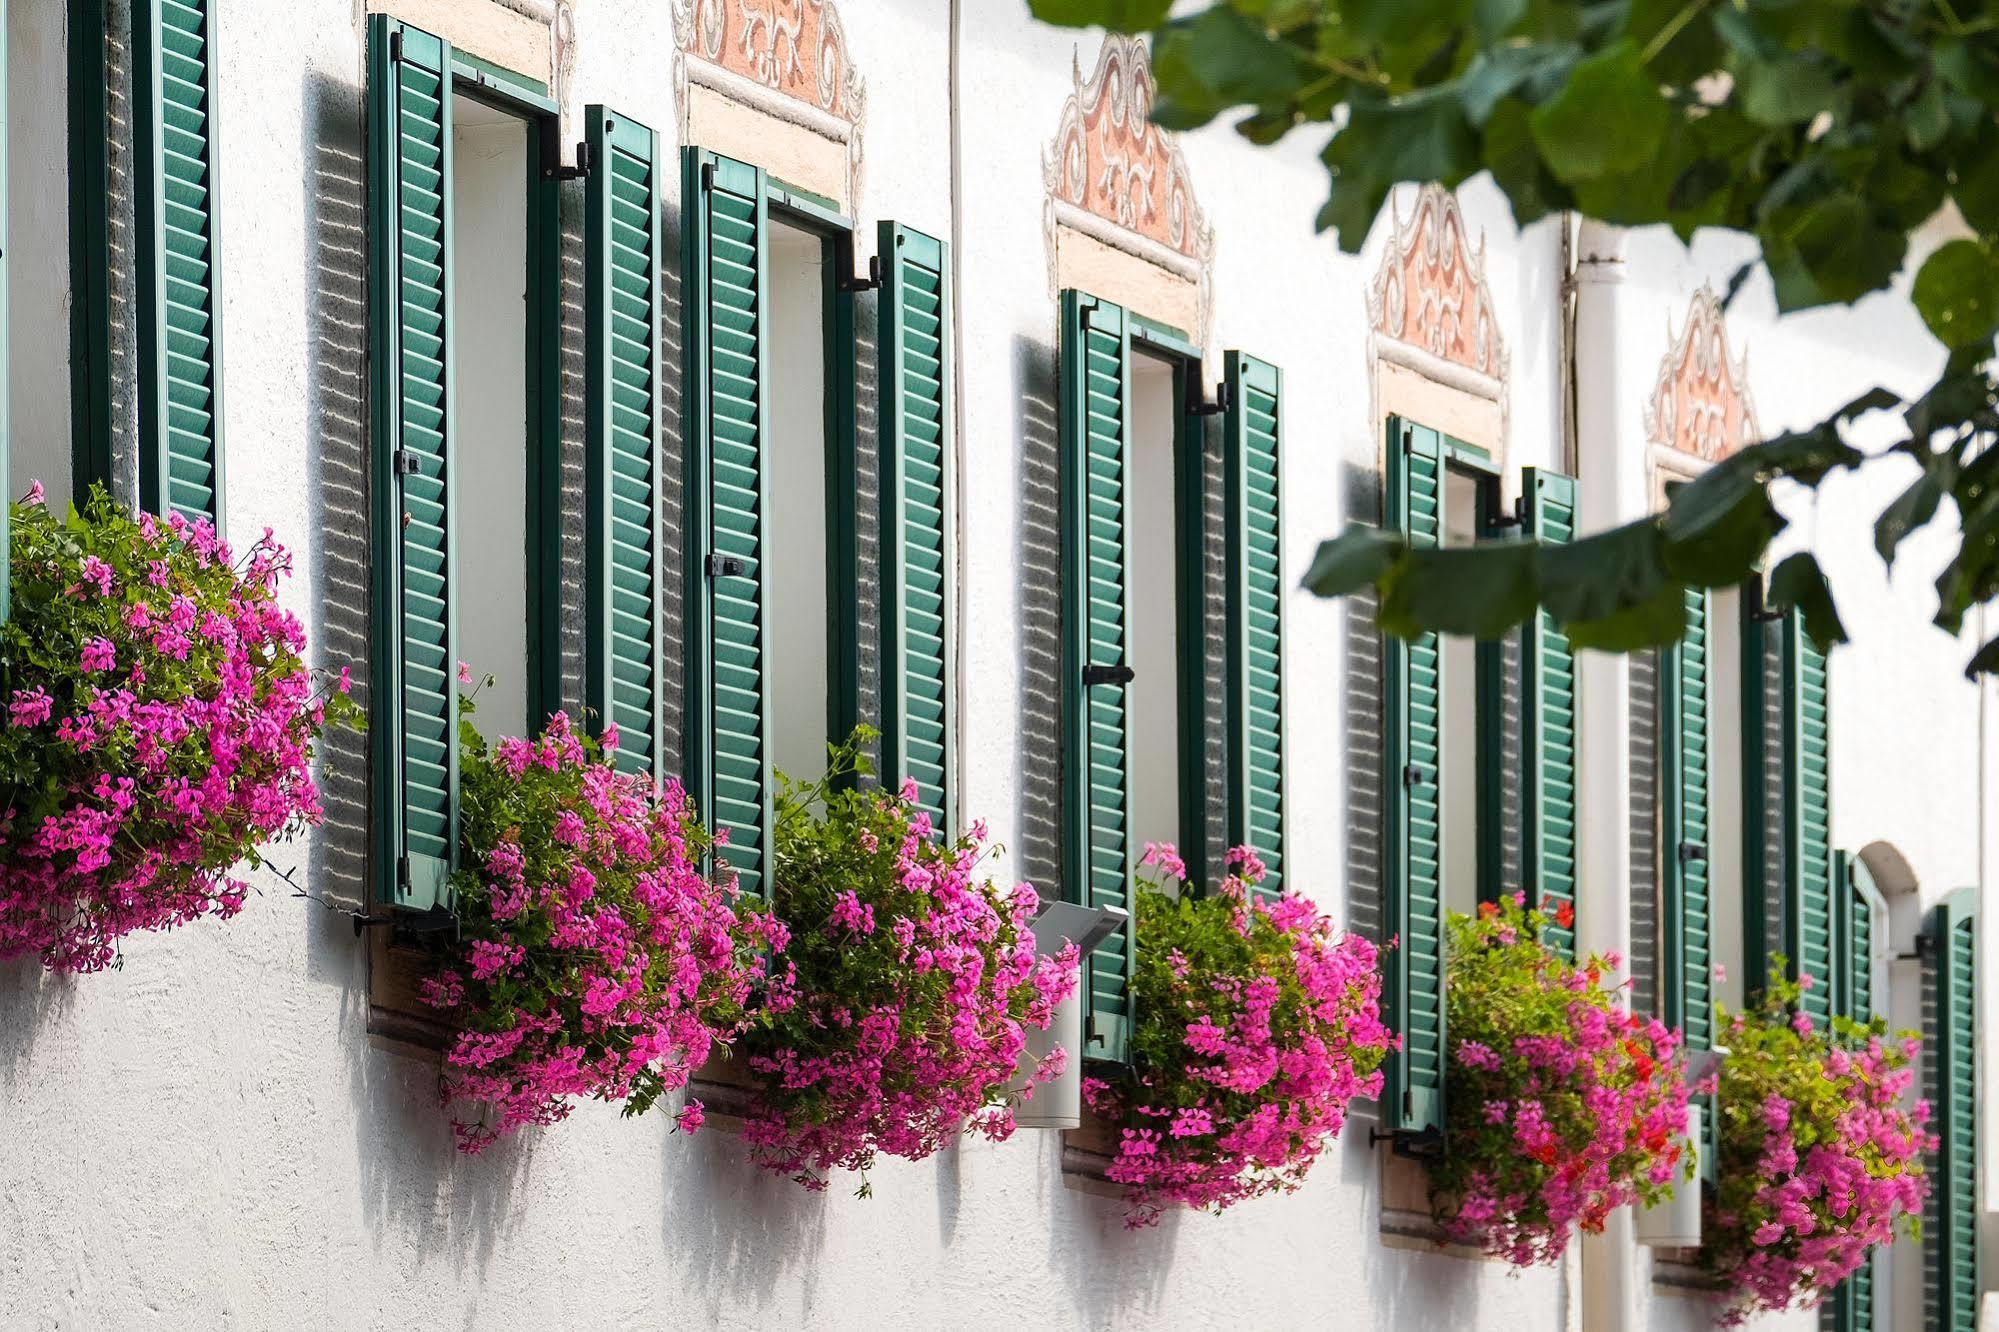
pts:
pixel 1950 1232
pixel 623 356
pixel 724 266
pixel 1686 981
pixel 1859 909
pixel 415 639
pixel 1096 751
pixel 1255 534
pixel 178 265
pixel 1413 750
pixel 1686 748
pixel 919 739
pixel 1548 727
pixel 1808 858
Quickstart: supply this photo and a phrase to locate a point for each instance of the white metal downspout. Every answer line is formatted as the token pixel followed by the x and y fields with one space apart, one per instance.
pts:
pixel 1611 470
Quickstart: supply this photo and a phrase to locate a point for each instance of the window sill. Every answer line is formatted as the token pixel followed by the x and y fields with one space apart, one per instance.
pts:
pixel 1674 1273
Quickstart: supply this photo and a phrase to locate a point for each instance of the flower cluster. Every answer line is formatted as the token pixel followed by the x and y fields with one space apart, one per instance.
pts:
pixel 1563 1105
pixel 1819 1158
pixel 593 958
pixel 907 986
pixel 1256 1023
pixel 159 724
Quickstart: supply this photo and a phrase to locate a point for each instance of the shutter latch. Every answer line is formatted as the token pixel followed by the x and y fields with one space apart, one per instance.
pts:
pixel 1690 851
pixel 407 463
pixel 1103 675
pixel 724 566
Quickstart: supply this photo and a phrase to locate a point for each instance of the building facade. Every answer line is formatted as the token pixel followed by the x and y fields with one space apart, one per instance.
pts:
pixel 741 371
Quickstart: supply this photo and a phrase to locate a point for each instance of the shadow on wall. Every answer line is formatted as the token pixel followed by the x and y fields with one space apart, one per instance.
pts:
pixel 32 1002
pixel 1116 1276
pixel 1039 560
pixel 336 485
pixel 738 1234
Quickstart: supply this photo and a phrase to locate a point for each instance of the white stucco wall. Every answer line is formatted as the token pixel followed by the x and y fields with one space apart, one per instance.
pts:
pixel 210 1135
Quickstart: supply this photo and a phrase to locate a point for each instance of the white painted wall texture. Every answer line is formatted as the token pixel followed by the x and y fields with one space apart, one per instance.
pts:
pixel 210 1136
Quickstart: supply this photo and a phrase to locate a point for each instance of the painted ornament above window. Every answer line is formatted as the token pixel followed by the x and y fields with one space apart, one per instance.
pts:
pixel 787 60
pixel 1430 293
pixel 1120 181
pixel 1700 407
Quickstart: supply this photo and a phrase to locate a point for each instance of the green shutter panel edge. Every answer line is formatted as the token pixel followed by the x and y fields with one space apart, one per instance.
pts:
pixel 1808 852
pixel 1413 872
pixel 624 485
pixel 1097 860
pixel 1255 533
pixel 1549 785
pixel 1859 908
pixel 177 257
pixel 724 267
pixel 1950 1233
pixel 918 613
pixel 415 696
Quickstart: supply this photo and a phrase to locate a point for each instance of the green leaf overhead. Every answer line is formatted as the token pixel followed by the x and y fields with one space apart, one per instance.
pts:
pixel 1828 132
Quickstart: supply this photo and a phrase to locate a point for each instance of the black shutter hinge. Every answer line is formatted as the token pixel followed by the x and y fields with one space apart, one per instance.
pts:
pixel 1501 520
pixel 552 165
pixel 1103 675
pixel 1412 775
pixel 406 463
pixel 1196 407
pixel 848 282
pixel 1408 440
pixel 1692 851
pixel 395 47
pixel 1753 597
pixel 724 566
pixel 707 175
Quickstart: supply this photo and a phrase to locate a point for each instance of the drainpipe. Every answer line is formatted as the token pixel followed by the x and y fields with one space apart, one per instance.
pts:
pixel 1611 464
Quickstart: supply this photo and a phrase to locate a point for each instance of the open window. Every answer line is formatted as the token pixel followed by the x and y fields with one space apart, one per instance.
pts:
pixel 461 181
pixel 1137 600
pixel 775 652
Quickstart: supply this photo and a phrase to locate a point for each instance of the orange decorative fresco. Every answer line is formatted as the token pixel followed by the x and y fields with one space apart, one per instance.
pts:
pixel 1430 291
pixel 1109 160
pixel 793 47
pixel 1700 406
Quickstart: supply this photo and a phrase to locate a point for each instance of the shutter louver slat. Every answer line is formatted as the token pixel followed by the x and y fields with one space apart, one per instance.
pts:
pixel 1096 352
pixel 1548 690
pixel 175 257
pixel 919 738
pixel 416 687
pixel 1413 752
pixel 1255 743
pixel 727 751
pixel 624 359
